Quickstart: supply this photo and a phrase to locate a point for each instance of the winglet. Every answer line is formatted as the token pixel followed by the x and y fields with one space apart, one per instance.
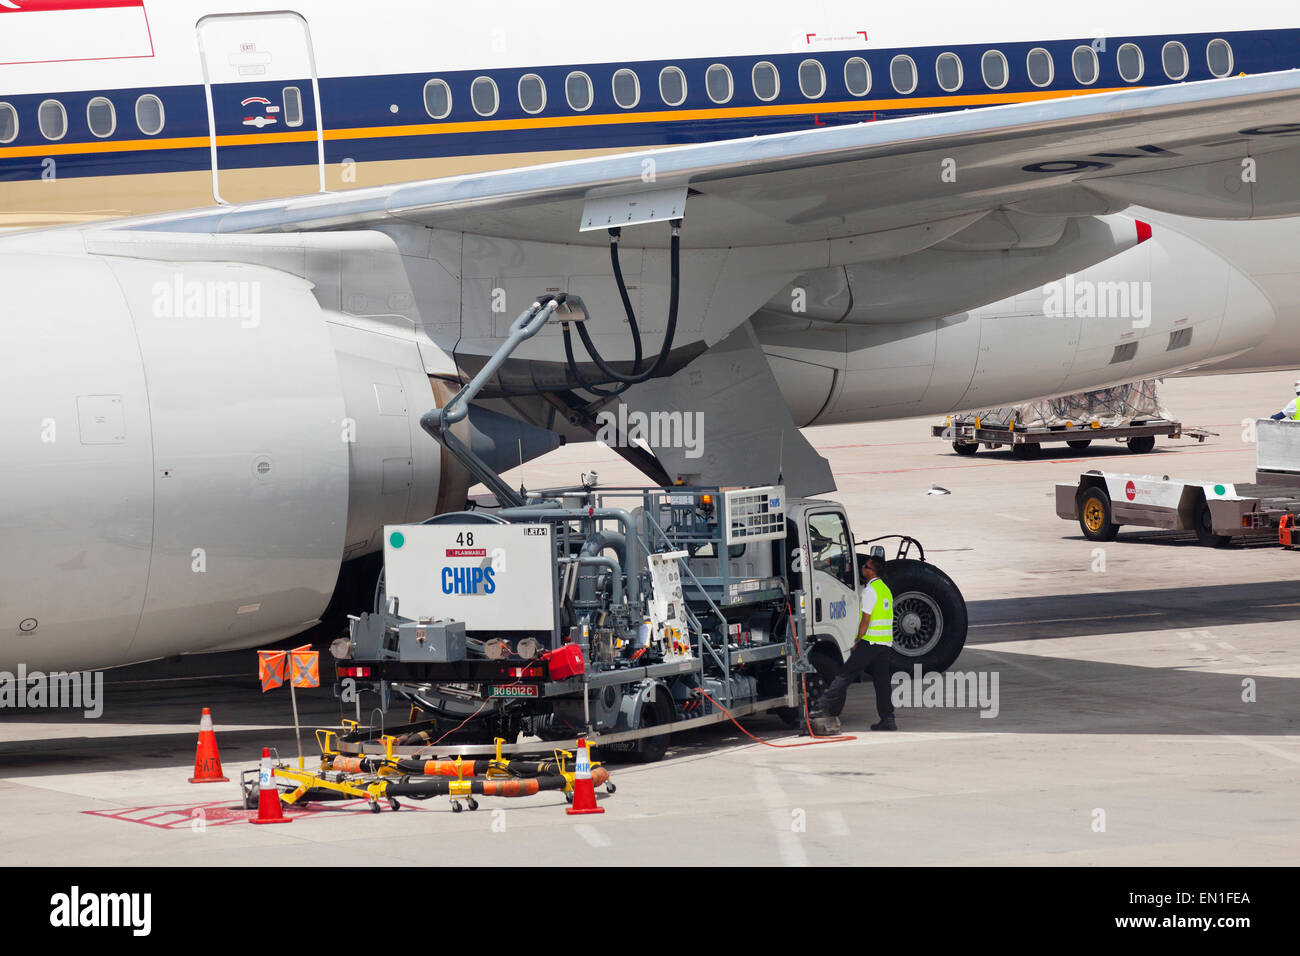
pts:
pixel 1144 231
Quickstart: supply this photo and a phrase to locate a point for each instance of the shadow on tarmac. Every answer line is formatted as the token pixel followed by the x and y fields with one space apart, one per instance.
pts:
pixel 1036 694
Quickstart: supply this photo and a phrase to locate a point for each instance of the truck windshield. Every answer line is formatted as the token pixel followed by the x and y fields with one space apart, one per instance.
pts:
pixel 828 539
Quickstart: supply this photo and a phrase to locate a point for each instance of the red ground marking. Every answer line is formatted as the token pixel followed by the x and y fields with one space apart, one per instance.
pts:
pixel 182 816
pixel 1011 462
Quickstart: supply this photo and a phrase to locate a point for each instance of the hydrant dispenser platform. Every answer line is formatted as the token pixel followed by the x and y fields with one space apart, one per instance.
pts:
pixel 618 615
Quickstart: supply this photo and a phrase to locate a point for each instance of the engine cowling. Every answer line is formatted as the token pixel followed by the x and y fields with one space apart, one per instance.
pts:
pixel 192 450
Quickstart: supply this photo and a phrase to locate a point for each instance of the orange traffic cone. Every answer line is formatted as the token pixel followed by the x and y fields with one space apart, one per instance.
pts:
pixel 207 761
pixel 268 795
pixel 584 794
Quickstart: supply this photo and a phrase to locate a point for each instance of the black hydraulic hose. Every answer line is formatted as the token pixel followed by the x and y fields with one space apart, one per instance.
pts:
pixel 614 235
pixel 577 374
pixel 670 331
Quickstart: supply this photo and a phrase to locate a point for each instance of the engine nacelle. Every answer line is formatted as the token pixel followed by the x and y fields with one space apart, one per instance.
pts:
pixel 1166 305
pixel 191 452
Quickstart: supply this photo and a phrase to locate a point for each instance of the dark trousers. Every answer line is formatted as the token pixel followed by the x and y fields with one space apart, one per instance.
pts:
pixel 865 656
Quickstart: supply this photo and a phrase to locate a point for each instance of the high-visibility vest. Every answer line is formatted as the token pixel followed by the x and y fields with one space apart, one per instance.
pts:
pixel 1296 416
pixel 881 628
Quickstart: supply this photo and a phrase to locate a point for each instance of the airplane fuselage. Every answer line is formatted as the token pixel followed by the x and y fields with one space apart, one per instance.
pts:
pixel 176 485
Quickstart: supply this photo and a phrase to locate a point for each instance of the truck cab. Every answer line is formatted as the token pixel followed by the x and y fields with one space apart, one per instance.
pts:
pixel 930 617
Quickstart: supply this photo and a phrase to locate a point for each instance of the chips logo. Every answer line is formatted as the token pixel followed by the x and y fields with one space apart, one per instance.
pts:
pixel 468 580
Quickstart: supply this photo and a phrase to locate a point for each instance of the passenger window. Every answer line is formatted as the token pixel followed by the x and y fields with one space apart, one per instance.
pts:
pixel 577 90
pixel 292 106
pixel 100 117
pixel 717 81
pixel 483 96
pixel 1086 66
pixel 149 115
pixel 857 76
pixel 532 93
pixel 1129 60
pixel 627 89
pixel 1218 55
pixel 672 86
pixel 437 99
pixel 1040 67
pixel 8 123
pixel 52 119
pixel 767 82
pixel 993 67
pixel 947 70
pixel 1174 59
pixel 812 79
pixel 902 73
pixel 832 551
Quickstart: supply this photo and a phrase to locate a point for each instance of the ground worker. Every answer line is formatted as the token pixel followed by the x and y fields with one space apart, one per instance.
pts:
pixel 1292 411
pixel 871 652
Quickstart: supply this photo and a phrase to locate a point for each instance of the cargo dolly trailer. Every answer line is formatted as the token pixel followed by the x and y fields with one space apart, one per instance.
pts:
pixel 967 435
pixel 1217 511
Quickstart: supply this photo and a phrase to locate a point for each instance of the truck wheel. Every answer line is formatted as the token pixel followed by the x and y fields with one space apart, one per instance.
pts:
pixel 1095 517
pixel 1024 450
pixel 1204 524
pixel 1140 446
pixel 652 749
pixel 929 616
pixel 1079 444
pixel 965 447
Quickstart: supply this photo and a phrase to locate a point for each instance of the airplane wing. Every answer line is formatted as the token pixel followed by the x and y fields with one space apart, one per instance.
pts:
pixel 1036 178
pixel 1226 148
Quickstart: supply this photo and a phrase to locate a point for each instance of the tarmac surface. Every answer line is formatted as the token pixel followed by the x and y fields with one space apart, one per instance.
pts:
pixel 1146 711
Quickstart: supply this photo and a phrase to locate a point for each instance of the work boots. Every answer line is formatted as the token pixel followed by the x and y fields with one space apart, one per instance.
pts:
pixel 885 723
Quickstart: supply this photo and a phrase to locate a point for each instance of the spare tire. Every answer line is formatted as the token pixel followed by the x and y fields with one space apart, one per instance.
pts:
pixel 929 616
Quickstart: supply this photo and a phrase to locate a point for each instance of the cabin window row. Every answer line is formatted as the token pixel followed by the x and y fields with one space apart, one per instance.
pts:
pixel 719 84
pixel 101 118
pixel 765 79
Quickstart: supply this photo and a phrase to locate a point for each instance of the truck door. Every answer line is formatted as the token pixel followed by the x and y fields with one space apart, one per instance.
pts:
pixel 263 106
pixel 832 577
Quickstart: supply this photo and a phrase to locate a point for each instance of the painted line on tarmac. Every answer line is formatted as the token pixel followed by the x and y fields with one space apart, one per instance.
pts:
pixel 1027 668
pixel 177 680
pixel 1017 463
pixel 804 774
pixel 836 823
pixel 771 793
pixel 1071 620
pixel 1261 746
pixel 590 834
